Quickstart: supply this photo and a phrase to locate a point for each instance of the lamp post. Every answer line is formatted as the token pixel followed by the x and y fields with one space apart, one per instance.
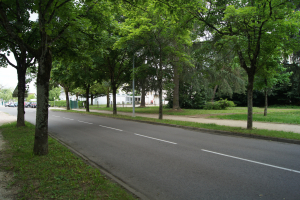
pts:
pixel 133 99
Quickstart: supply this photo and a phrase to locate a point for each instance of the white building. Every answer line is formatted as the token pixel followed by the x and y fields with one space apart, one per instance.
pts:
pixel 151 98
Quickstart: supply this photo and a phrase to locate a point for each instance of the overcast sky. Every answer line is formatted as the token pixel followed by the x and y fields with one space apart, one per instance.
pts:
pixel 9 76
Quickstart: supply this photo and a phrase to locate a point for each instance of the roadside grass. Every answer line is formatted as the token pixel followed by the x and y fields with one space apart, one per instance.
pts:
pixel 260 132
pixel 291 117
pixel 169 111
pixel 58 175
pixel 284 107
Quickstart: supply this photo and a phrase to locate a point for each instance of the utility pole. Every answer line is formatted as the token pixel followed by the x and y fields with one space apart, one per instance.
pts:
pixel 133 98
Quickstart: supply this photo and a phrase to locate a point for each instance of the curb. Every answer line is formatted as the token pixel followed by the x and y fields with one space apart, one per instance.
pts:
pixel 110 176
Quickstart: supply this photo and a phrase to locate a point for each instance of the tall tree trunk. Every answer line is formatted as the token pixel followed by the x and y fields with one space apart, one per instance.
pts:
pixel 266 102
pixel 41 128
pixel 176 89
pixel 107 98
pixel 67 97
pixel 250 100
pixel 214 93
pixel 92 99
pixel 114 99
pixel 21 93
pixel 143 104
pixel 87 93
pixel 160 116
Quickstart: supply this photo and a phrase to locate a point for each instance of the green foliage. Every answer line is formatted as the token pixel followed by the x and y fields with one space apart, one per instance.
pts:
pixel 30 96
pixel 62 103
pixel 6 94
pixel 55 92
pixel 219 105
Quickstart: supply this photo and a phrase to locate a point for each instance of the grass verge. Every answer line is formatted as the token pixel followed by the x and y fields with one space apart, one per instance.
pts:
pixel 58 175
pixel 258 132
pixel 169 111
pixel 279 117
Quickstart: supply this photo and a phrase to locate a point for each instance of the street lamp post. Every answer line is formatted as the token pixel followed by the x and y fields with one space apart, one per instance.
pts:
pixel 133 99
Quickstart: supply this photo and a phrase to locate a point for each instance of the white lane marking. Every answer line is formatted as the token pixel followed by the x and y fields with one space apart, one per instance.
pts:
pixel 55 116
pixel 274 166
pixel 67 118
pixel 111 128
pixel 155 138
pixel 85 122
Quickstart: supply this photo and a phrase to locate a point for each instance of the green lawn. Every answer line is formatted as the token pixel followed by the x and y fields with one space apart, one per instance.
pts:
pixel 168 111
pixel 290 117
pixel 58 175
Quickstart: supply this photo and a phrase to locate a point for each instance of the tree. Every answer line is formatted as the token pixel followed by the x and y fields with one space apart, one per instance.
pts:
pixel 54 93
pixel 256 30
pixel 18 19
pixel 6 94
pixel 158 28
pixel 30 96
pixel 273 73
pixel 54 18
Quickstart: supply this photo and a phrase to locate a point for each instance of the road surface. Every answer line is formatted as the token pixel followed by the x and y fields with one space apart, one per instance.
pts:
pixel 171 163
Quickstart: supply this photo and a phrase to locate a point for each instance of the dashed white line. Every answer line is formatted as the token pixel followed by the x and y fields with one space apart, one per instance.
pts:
pixel 55 116
pixel 67 118
pixel 85 122
pixel 274 166
pixel 155 138
pixel 111 128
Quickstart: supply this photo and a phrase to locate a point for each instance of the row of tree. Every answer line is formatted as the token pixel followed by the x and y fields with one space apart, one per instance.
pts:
pixel 193 48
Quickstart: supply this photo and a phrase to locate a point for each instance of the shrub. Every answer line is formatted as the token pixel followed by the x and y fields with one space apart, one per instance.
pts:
pixel 219 105
pixel 61 103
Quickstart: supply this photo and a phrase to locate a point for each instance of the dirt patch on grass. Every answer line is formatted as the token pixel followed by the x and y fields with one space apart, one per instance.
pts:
pixel 8 191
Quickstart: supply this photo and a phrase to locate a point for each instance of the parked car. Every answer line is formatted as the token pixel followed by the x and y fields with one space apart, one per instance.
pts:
pixel 6 104
pixel 33 104
pixel 27 104
pixel 16 104
pixel 11 105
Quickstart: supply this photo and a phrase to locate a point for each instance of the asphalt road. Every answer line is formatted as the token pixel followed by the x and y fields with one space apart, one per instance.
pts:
pixel 171 163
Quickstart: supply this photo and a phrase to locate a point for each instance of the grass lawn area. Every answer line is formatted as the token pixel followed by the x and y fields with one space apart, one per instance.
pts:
pixel 287 117
pixel 169 111
pixel 260 132
pixel 58 175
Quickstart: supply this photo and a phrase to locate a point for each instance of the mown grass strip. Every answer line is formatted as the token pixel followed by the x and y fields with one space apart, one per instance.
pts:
pixel 58 175
pixel 169 111
pixel 279 117
pixel 259 132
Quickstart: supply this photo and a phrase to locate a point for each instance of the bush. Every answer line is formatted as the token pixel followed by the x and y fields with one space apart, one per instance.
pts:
pixel 61 103
pixel 219 105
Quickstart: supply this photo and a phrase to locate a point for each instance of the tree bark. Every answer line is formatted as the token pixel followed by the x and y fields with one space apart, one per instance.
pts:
pixel 21 93
pixel 176 89
pixel 266 102
pixel 143 104
pixel 67 97
pixel 114 88
pixel 107 98
pixel 92 99
pixel 214 93
pixel 250 100
pixel 87 93
pixel 41 129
